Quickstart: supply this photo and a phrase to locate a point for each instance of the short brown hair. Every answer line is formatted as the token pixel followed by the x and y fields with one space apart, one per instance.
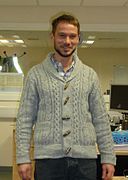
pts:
pixel 68 18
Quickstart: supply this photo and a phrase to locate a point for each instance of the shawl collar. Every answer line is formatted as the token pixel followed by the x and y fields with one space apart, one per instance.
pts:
pixel 49 67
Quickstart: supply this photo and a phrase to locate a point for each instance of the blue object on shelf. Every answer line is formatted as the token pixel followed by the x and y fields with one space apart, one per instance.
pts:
pixel 120 137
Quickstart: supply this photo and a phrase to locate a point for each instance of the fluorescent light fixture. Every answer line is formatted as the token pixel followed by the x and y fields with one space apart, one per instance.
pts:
pixel 20 41
pixel 0 68
pixel 4 41
pixel 88 42
pixel 91 37
pixel 16 64
pixel 16 36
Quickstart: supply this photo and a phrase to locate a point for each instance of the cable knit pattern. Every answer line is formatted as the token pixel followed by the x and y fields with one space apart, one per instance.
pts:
pixel 68 116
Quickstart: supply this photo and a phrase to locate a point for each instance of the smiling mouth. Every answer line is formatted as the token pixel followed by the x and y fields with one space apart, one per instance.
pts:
pixel 67 48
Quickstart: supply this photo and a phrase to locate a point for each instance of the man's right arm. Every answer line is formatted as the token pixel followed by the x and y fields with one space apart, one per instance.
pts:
pixel 26 118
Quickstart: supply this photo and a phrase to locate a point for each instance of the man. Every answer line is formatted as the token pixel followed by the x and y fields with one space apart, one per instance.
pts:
pixel 61 99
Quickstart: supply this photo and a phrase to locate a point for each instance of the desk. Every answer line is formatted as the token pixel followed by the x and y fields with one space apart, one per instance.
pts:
pixel 119 178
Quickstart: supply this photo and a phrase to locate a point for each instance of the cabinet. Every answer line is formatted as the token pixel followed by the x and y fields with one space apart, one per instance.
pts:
pixel 118 178
pixel 6 142
pixel 10 92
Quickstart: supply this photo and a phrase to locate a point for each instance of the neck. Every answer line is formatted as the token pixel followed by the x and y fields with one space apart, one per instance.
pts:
pixel 65 61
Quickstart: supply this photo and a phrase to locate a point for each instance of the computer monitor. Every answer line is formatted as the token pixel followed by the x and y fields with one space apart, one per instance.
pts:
pixel 119 97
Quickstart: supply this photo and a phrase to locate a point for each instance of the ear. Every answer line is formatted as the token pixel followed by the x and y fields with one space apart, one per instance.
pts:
pixel 51 35
pixel 80 38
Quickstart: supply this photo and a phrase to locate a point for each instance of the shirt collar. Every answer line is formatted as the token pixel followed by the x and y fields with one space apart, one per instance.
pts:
pixel 60 68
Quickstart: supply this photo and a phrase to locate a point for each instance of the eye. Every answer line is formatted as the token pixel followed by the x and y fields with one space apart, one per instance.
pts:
pixel 62 35
pixel 73 36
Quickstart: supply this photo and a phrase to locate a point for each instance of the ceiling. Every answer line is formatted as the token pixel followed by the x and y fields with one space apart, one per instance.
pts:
pixel 107 20
pixel 64 3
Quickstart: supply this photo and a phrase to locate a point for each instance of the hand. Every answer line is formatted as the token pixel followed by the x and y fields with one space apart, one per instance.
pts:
pixel 25 171
pixel 107 171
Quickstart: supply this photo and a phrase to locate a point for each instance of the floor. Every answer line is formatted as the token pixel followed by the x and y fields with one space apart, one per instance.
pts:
pixel 5 173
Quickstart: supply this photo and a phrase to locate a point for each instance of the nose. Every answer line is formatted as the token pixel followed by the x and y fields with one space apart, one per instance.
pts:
pixel 67 40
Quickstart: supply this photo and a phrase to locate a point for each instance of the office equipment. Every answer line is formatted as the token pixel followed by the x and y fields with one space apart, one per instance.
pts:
pixel 119 101
pixel 119 98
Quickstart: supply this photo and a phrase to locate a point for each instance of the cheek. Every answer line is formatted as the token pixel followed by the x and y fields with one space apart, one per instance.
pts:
pixel 76 42
pixel 58 42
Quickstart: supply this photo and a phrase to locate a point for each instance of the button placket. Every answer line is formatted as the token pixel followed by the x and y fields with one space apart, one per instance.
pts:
pixel 66 120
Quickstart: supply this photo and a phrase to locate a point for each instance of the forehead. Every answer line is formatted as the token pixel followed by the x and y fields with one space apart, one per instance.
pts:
pixel 66 28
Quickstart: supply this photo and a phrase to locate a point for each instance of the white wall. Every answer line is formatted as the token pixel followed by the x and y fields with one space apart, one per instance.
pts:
pixel 103 60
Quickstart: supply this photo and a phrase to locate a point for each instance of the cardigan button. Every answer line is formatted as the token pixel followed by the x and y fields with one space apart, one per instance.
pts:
pixel 66 100
pixel 66 86
pixel 66 133
pixel 65 118
pixel 67 150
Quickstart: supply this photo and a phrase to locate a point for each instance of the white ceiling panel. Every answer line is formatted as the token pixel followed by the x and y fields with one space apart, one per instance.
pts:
pixel 18 2
pixel 104 2
pixel 59 2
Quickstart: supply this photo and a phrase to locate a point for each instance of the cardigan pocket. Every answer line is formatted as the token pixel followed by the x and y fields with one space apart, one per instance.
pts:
pixel 88 134
pixel 43 133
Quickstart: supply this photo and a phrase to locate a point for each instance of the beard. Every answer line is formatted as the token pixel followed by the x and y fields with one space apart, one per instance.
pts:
pixel 63 54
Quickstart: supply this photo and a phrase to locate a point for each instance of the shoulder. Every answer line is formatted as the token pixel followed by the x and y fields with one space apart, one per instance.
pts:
pixel 39 67
pixel 89 70
pixel 34 69
pixel 34 72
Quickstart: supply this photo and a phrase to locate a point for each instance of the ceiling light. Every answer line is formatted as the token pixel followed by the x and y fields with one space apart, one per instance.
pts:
pixel 19 41
pixel 91 37
pixel 0 68
pixel 4 41
pixel 84 46
pixel 16 36
pixel 88 42
pixel 16 64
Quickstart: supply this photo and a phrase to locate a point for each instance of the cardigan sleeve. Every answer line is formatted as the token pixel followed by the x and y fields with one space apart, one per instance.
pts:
pixel 26 117
pixel 101 122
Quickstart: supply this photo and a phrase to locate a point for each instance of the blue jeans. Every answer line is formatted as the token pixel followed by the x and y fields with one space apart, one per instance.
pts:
pixel 65 169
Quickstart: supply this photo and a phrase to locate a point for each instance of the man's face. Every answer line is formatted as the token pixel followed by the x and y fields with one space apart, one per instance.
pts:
pixel 66 39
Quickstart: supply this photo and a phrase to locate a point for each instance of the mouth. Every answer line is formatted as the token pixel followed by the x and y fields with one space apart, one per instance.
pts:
pixel 67 48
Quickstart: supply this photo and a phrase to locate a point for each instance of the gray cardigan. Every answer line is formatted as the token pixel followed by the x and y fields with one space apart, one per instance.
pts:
pixel 69 116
